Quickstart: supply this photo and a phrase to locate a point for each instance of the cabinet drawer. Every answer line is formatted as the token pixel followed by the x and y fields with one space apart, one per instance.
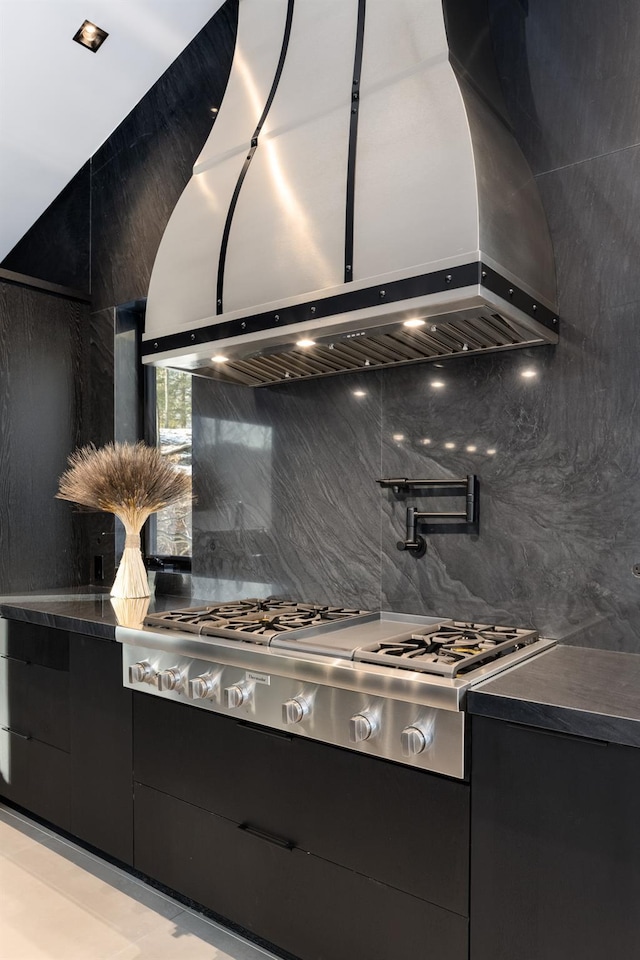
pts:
pixel 303 904
pixel 36 702
pixel 34 679
pixel 36 776
pixel 46 646
pixel 403 827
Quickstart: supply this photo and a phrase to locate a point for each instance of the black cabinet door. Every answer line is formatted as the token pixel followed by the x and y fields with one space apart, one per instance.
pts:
pixel 35 643
pixel 401 826
pixel 34 719
pixel 38 703
pixel 555 846
pixel 101 748
pixel 305 905
pixel 35 662
pixel 35 776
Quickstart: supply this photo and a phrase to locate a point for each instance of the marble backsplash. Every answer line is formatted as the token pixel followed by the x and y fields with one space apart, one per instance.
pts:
pixel 287 499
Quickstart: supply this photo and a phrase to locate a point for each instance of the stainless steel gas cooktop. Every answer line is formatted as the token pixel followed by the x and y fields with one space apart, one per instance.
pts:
pixel 387 684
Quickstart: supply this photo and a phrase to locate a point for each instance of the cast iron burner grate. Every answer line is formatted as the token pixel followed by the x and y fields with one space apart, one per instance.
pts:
pixel 254 620
pixel 449 650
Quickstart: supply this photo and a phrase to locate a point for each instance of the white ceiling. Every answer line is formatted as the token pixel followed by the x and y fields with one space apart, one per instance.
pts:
pixel 60 101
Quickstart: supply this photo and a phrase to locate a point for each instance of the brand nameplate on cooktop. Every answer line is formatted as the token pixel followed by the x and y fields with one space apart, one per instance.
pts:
pixel 258 677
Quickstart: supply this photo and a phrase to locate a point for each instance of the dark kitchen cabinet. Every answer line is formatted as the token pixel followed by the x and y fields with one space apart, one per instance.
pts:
pixel 324 852
pixel 398 825
pixel 34 719
pixel 66 737
pixel 308 906
pixel 101 748
pixel 555 845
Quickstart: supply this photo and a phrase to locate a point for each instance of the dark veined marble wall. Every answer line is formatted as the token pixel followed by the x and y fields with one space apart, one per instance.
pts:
pixel 285 477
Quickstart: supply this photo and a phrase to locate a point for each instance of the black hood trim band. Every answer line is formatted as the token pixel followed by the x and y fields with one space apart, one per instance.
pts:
pixel 466 275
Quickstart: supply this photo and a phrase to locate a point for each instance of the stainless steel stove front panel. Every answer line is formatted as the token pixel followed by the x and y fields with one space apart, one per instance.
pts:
pixel 367 679
pixel 327 713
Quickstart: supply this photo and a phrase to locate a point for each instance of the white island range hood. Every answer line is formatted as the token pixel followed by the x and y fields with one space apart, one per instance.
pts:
pixel 360 174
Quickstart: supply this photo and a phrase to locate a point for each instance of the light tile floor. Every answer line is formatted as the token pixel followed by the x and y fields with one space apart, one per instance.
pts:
pixel 59 902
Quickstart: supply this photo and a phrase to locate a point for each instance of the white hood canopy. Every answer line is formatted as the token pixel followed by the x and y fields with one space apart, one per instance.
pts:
pixel 359 174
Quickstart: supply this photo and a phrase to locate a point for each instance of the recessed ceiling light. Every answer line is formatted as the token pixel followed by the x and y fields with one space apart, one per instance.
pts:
pixel 425 441
pixel 471 448
pixel 398 437
pixel 90 36
pixel 219 358
pixel 359 393
pixel 437 384
pixel 529 373
pixel 450 446
pixel 306 343
pixel 491 451
pixel 415 322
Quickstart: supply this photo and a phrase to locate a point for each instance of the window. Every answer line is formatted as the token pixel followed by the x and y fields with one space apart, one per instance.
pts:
pixel 154 404
pixel 170 531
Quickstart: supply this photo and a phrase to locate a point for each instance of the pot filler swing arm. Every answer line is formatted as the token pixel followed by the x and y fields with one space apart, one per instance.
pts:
pixel 458 521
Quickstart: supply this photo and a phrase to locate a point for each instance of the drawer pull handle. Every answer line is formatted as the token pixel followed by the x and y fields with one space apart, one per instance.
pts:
pixel 267 837
pixel 23 736
pixel 266 731
pixel 5 656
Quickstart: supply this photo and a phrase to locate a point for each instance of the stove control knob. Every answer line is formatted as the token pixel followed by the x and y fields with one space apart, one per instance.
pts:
pixel 141 672
pixel 203 688
pixel 294 710
pixel 235 696
pixel 414 740
pixel 361 728
pixel 169 679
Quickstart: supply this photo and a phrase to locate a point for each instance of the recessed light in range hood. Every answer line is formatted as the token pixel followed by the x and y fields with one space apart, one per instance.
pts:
pixel 353 181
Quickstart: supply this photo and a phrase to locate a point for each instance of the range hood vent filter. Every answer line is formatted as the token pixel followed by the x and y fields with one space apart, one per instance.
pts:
pixel 458 335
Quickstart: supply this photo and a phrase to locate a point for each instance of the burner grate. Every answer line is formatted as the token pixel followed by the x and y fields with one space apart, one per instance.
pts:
pixel 252 620
pixel 447 650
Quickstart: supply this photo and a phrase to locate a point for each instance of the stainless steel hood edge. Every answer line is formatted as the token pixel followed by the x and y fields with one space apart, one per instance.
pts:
pixel 471 308
pixel 443 221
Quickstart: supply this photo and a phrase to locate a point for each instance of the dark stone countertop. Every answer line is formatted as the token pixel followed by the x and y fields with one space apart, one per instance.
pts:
pixel 586 692
pixel 84 609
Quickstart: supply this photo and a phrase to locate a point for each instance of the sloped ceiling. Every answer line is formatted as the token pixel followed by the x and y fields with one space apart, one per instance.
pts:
pixel 59 101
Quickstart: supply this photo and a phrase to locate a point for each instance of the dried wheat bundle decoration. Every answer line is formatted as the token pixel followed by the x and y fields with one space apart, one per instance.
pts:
pixel 132 481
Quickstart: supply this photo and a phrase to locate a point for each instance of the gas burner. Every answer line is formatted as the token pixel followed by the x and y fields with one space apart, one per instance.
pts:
pixel 262 626
pixel 191 620
pixel 448 649
pixel 251 620
pixel 460 631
